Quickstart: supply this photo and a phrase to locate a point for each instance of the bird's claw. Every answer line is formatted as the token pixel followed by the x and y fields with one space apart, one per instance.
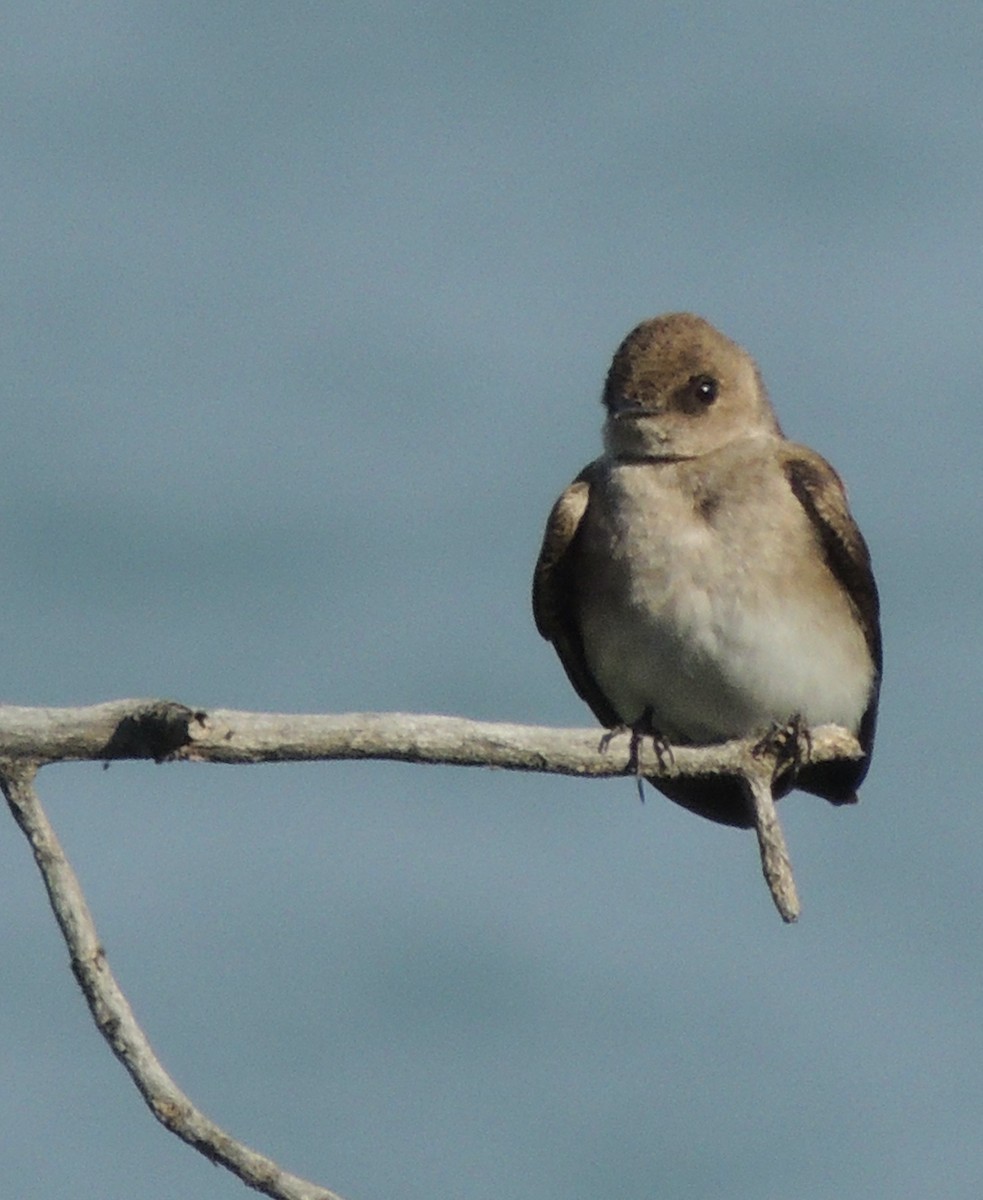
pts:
pixel 790 745
pixel 641 729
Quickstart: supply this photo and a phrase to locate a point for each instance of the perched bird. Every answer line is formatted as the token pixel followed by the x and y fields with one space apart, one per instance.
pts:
pixel 704 579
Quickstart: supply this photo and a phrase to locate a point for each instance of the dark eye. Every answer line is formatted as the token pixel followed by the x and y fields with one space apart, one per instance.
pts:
pixel 704 389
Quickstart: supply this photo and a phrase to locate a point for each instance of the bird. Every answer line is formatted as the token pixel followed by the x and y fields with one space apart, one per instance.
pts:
pixel 704 579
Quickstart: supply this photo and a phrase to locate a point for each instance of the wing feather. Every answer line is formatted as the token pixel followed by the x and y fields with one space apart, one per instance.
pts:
pixel 554 593
pixel 820 491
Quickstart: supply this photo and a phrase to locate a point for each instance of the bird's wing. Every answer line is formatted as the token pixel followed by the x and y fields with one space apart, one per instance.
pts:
pixel 554 594
pixel 820 491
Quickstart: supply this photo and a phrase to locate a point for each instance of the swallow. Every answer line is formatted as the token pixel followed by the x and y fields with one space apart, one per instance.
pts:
pixel 704 578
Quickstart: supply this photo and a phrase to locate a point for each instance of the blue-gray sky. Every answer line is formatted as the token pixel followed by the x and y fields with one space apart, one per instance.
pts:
pixel 306 310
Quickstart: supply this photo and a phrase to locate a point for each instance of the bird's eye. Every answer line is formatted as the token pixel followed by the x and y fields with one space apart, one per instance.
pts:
pixel 704 388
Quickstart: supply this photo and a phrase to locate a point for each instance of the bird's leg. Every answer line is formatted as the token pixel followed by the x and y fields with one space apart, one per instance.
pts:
pixel 790 745
pixel 605 743
pixel 643 727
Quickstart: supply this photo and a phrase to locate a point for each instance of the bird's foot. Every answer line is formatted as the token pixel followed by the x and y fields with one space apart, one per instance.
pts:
pixel 790 745
pixel 642 728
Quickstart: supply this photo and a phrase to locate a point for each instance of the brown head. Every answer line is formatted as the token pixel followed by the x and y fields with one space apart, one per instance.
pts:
pixel 677 388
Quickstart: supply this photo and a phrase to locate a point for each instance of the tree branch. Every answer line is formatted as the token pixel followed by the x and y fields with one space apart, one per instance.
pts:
pixel 163 730
pixel 776 866
pixel 113 1015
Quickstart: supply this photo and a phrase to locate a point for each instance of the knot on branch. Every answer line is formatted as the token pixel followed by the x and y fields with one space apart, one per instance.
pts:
pixel 158 731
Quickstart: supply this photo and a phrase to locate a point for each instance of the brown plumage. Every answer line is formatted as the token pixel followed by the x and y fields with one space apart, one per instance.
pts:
pixel 704 578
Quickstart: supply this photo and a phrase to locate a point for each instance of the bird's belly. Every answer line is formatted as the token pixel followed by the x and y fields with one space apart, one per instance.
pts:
pixel 717 650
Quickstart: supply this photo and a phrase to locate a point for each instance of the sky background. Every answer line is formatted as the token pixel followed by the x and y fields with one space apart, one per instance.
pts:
pixel 306 309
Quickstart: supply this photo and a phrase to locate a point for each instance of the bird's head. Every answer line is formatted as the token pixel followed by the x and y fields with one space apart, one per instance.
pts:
pixel 677 388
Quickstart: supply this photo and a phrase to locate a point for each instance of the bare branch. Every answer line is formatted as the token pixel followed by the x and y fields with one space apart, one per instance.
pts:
pixel 164 730
pixel 114 1017
pixel 775 863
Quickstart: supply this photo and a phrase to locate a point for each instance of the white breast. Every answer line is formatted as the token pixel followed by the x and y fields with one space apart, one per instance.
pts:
pixel 719 626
